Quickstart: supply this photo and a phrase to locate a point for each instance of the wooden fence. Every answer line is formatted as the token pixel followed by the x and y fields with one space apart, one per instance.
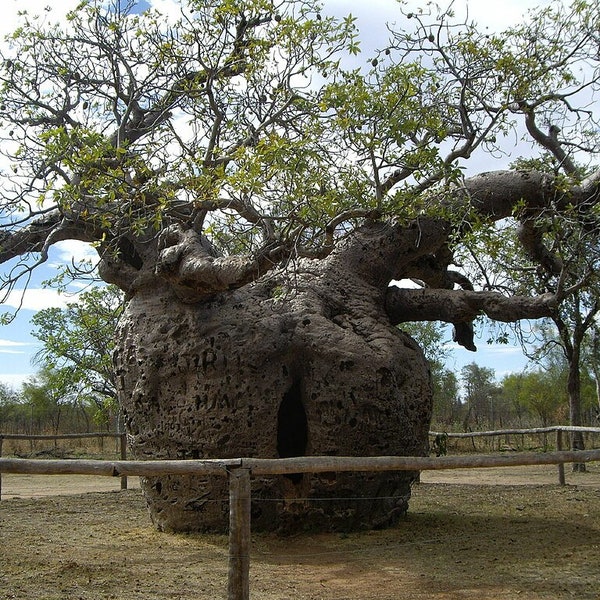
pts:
pixel 557 429
pixel 69 436
pixel 240 470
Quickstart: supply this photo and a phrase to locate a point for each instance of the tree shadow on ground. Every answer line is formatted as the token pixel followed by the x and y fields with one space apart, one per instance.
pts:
pixel 538 542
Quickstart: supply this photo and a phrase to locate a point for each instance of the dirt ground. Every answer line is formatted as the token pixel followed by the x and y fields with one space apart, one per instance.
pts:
pixel 470 534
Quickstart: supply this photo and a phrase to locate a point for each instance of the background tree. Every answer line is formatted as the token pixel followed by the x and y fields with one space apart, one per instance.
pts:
pixel 8 405
pixel 538 392
pixel 45 395
pixel 47 404
pixel 447 406
pixel 446 398
pixel 512 390
pixel 253 200
pixel 555 363
pixel 481 396
pixel 570 327
pixel 78 345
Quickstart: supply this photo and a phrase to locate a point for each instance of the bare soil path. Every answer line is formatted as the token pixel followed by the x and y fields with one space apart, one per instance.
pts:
pixel 36 486
pixel 472 534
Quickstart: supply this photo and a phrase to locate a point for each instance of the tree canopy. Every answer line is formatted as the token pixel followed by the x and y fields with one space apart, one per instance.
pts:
pixel 210 149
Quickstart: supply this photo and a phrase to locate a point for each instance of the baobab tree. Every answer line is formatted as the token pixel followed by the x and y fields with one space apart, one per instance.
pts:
pixel 254 201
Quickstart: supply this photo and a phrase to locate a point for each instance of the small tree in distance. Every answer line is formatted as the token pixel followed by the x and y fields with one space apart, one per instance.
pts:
pixel 78 342
pixel 481 397
pixel 537 392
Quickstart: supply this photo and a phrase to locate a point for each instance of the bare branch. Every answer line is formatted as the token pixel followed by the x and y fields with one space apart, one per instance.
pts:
pixel 455 306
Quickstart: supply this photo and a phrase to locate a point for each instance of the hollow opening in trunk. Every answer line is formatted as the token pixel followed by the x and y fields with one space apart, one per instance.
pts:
pixel 292 426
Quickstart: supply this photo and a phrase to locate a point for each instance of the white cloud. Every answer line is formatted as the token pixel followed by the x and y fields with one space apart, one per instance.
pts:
pixel 502 349
pixel 168 8
pixel 15 380
pixel 454 346
pixel 37 299
pixel 11 347
pixel 69 250
pixel 11 8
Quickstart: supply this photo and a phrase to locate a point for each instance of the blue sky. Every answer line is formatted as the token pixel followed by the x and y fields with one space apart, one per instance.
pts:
pixel 18 346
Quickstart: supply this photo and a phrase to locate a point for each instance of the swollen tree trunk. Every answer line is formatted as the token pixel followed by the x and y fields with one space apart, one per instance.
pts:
pixel 275 370
pixel 246 374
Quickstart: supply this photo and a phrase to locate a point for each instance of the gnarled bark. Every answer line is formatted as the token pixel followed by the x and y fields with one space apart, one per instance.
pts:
pixel 270 371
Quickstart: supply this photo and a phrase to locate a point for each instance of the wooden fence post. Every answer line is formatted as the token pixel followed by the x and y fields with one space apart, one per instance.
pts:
pixel 238 585
pixel 561 466
pixel 123 440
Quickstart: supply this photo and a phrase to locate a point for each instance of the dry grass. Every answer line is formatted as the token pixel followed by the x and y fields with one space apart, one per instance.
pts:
pixel 460 540
pixel 95 448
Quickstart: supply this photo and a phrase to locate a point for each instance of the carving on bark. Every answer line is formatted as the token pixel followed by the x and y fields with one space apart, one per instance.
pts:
pixel 253 372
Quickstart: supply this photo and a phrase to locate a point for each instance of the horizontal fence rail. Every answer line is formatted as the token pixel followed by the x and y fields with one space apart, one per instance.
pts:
pixel 557 429
pixel 287 466
pixel 69 436
pixel 534 430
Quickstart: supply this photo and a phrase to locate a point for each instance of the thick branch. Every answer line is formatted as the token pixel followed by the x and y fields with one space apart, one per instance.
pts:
pixel 378 252
pixel 459 306
pixel 35 237
pixel 495 194
pixel 548 141
pixel 188 261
